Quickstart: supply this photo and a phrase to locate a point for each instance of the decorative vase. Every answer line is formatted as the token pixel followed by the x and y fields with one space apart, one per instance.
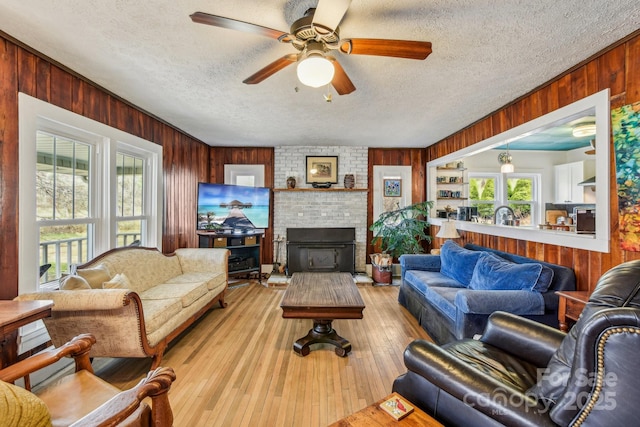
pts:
pixel 291 182
pixel 349 181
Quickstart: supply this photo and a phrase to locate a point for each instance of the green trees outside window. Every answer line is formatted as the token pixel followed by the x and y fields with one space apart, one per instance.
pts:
pixel 519 196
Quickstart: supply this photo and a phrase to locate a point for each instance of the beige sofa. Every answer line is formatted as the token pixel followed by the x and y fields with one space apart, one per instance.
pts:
pixel 138 301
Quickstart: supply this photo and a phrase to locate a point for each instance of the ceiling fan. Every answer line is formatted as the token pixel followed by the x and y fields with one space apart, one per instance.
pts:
pixel 315 35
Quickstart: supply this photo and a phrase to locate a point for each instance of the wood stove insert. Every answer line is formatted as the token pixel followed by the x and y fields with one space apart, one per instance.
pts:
pixel 327 249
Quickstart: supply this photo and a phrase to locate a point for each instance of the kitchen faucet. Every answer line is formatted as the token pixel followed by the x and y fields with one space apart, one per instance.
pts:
pixel 506 218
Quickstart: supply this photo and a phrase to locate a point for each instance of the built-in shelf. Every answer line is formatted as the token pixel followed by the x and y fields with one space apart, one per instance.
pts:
pixel 348 190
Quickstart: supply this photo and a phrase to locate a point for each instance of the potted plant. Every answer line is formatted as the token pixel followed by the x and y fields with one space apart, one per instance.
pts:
pixel 397 232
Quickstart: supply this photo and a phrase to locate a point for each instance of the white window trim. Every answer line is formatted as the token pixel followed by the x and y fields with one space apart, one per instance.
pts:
pixel 150 197
pixel 33 113
pixel 536 191
pixel 600 241
pixel 501 190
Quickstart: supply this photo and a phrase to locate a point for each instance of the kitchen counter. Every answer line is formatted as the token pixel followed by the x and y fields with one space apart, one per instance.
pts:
pixel 592 242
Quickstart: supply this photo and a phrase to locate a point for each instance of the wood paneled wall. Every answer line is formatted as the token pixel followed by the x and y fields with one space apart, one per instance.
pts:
pixel 220 156
pixel 188 161
pixel 185 159
pixel 617 68
pixel 414 157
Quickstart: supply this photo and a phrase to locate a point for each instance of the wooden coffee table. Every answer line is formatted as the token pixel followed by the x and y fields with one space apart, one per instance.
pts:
pixel 322 297
pixel 372 415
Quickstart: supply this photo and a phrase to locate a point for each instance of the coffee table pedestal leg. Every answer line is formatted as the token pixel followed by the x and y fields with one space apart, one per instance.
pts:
pixel 322 332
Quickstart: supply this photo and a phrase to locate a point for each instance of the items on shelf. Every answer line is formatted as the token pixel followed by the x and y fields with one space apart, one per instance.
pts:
pixel 449 194
pixel 450 180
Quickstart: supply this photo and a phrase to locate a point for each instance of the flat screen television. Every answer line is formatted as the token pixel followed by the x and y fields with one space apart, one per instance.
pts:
pixel 232 207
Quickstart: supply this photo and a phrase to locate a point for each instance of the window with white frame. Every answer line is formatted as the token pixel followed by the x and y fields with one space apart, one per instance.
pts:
pixel 483 194
pixel 519 191
pixel 131 215
pixel 522 197
pixel 64 213
pixel 94 188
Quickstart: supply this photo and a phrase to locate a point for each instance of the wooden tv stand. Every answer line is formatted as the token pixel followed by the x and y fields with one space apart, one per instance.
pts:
pixel 245 250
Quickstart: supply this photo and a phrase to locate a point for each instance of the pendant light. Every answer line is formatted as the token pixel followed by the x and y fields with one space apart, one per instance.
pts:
pixel 505 160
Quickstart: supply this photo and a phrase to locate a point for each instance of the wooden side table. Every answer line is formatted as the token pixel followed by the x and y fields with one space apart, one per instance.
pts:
pixel 14 314
pixel 570 305
pixel 372 415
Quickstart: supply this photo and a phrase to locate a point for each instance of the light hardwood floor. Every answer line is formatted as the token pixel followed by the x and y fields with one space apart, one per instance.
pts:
pixel 236 366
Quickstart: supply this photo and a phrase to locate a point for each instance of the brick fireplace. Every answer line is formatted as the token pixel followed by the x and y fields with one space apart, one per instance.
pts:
pixel 317 208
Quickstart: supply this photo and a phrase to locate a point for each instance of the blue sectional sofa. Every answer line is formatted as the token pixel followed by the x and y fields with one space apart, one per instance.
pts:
pixel 453 294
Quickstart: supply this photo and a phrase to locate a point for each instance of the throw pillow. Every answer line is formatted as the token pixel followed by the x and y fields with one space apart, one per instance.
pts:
pixel 22 408
pixel 493 273
pixel 546 275
pixel 96 276
pixel 119 281
pixel 545 279
pixel 457 262
pixel 73 283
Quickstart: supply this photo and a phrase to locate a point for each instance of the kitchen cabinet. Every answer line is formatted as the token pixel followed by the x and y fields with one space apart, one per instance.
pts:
pixel 567 177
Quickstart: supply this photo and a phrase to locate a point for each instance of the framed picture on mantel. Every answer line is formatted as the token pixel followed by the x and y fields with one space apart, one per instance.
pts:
pixel 322 169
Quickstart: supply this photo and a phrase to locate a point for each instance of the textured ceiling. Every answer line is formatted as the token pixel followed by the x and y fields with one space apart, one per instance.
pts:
pixel 485 54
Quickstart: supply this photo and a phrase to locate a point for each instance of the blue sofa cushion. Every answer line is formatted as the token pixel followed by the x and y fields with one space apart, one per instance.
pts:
pixel 443 299
pixel 457 262
pixel 494 273
pixel 546 275
pixel 420 279
pixel 526 303
pixel 562 279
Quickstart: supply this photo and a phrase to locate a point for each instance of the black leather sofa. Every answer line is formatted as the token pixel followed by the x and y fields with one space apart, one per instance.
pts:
pixel 523 373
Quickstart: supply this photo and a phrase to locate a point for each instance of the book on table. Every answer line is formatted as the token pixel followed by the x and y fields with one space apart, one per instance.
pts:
pixel 397 407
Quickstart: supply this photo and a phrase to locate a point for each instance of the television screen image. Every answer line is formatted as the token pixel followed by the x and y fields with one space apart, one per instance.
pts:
pixel 232 207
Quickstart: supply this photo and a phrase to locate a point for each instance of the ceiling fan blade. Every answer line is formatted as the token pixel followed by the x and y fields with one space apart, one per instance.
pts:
pixel 232 24
pixel 381 47
pixel 328 15
pixel 341 82
pixel 271 69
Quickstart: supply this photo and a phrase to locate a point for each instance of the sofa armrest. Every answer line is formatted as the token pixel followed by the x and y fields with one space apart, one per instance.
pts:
pixel 470 301
pixel 156 385
pixel 474 388
pixel 82 300
pixel 524 338
pixel 114 317
pixel 203 260
pixel 422 262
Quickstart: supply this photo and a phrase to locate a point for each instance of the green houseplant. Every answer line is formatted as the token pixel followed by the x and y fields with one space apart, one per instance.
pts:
pixel 397 232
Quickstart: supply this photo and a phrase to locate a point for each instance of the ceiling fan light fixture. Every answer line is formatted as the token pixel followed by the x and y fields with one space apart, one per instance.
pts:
pixel 584 129
pixel 315 70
